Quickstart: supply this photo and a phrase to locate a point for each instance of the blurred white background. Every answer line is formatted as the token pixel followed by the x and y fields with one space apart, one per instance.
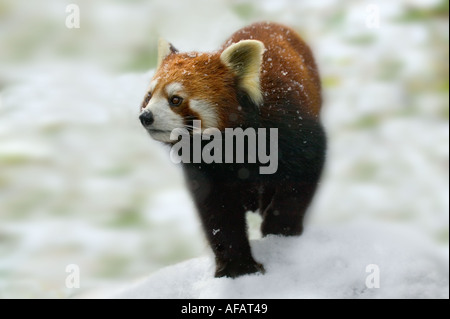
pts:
pixel 81 182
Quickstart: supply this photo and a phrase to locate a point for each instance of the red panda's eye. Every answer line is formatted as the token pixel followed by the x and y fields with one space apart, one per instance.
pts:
pixel 175 101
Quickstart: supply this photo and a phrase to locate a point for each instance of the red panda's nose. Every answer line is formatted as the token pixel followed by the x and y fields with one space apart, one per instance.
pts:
pixel 147 118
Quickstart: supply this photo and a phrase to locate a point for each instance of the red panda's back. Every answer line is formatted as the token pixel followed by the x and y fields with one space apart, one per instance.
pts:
pixel 290 81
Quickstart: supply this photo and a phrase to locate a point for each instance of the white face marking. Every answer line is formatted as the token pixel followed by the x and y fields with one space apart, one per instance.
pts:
pixel 207 113
pixel 174 88
pixel 153 85
pixel 165 120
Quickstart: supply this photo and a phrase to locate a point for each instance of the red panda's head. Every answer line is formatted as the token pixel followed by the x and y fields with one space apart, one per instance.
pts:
pixel 201 86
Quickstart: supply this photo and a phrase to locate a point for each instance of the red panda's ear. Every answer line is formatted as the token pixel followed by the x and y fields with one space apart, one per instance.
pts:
pixel 164 49
pixel 244 59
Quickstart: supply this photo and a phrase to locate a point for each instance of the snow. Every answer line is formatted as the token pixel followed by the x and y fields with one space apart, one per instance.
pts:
pixel 325 262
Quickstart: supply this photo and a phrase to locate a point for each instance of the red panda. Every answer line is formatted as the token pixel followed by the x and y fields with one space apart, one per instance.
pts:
pixel 264 76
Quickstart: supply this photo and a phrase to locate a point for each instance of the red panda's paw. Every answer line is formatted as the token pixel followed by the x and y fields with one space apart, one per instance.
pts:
pixel 237 268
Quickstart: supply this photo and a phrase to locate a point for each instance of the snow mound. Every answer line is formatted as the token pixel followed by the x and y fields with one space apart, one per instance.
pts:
pixel 325 262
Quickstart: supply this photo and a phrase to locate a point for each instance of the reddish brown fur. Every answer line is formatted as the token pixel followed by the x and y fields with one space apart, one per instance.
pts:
pixel 289 76
pixel 287 62
pixel 204 77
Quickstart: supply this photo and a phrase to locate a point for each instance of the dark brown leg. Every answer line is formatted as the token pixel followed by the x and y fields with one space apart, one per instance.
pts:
pixel 292 189
pixel 221 204
pixel 284 215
